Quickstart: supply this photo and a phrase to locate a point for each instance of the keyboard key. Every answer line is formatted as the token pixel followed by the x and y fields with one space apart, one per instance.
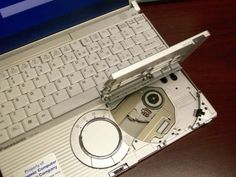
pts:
pixel 74 89
pixel 139 28
pixel 74 102
pixel 131 22
pixel 3 97
pixel 13 70
pixel 41 81
pixel 87 83
pixel 105 42
pixel 122 26
pixel 42 69
pixel 27 87
pixel 55 63
pixel 136 50
pixel 3 75
pixel 13 93
pixel 4 85
pixel 5 121
pixel 18 115
pixel 3 136
pixel 35 95
pixel 139 38
pixel 44 116
pixel 75 77
pixel 104 53
pixel 93 47
pixel 86 40
pixel 15 130
pixel 30 123
pixel 149 34
pixel 100 78
pixel 69 57
pixel 54 75
pixel 29 74
pixel 80 63
pixel 35 62
pixel 95 37
pixel 100 66
pixel 104 33
pixel 125 55
pixel 56 53
pixel 113 29
pixel 81 52
pixel 46 57
pixel 111 70
pixel 76 44
pixel 65 49
pixel 60 96
pixel 117 37
pixel 21 101
pixel 92 58
pixel 151 44
pixel 116 48
pixel 24 66
pixel 62 83
pixel 46 102
pixel 128 43
pixel 67 69
pixel 127 33
pixel 140 18
pixel 123 64
pixel 88 71
pixel 134 60
pixel 15 80
pixel 48 89
pixel 113 60
pixel 32 109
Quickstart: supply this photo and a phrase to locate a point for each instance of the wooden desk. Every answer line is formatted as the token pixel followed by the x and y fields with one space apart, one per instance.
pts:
pixel 211 150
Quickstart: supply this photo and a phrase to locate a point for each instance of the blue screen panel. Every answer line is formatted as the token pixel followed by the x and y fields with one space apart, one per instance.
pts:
pixel 24 21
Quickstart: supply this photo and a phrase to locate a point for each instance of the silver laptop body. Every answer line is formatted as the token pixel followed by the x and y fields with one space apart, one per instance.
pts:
pixel 141 108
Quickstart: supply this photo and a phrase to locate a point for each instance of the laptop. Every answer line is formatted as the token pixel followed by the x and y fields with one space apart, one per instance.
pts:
pixel 90 88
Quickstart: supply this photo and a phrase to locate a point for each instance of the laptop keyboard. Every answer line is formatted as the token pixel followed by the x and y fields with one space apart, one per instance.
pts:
pixel 41 89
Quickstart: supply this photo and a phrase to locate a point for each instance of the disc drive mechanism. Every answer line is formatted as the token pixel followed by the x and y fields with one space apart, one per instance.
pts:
pixel 145 114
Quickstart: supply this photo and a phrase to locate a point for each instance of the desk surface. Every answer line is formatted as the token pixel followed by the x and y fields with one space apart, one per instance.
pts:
pixel 211 150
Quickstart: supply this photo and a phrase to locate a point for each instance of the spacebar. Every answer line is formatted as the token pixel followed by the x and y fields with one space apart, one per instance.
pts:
pixel 74 102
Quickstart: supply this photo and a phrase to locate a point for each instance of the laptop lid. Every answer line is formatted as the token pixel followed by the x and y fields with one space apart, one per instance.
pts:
pixel 25 21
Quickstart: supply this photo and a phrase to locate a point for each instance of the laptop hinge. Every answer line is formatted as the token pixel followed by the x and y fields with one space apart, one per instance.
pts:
pixel 136 6
pixel 111 93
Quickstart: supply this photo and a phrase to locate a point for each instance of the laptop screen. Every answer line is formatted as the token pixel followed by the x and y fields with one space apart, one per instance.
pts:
pixel 24 21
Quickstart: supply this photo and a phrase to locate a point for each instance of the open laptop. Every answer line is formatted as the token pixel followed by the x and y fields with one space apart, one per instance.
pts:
pixel 90 88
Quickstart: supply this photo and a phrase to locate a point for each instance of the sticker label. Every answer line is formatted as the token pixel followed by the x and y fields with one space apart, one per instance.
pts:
pixel 45 167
